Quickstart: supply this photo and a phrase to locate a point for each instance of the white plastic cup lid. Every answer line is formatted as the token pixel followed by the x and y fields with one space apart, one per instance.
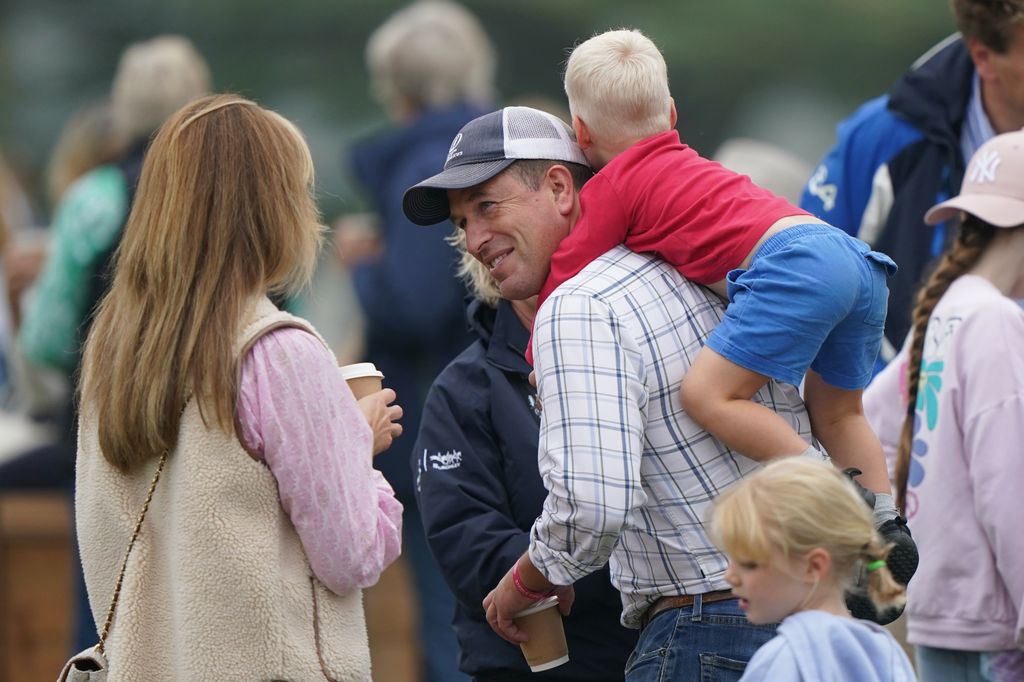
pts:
pixel 360 369
pixel 545 603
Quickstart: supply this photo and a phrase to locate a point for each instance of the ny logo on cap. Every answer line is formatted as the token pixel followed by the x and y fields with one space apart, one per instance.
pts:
pixel 984 168
pixel 452 153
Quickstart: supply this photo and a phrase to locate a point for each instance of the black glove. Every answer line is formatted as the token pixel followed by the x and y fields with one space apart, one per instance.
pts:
pixel 901 562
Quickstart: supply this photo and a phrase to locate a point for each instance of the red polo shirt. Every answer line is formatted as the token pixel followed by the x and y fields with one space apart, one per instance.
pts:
pixel 661 196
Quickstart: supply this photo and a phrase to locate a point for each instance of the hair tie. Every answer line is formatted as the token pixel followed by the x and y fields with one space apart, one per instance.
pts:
pixel 875 565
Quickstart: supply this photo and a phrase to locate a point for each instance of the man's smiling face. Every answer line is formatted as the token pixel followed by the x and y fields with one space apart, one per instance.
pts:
pixel 512 229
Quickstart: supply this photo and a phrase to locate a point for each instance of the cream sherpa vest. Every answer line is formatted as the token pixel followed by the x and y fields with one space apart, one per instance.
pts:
pixel 218 586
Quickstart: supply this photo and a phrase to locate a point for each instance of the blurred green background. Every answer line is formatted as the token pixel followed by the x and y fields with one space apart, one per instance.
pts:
pixel 784 71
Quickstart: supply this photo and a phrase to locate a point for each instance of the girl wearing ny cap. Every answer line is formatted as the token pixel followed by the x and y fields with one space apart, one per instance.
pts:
pixel 950 409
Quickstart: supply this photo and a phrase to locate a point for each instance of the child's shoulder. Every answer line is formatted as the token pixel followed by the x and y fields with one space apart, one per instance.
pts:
pixel 823 621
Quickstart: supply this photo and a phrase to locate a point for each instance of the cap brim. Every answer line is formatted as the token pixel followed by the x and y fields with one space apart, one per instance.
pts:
pixel 427 202
pixel 993 209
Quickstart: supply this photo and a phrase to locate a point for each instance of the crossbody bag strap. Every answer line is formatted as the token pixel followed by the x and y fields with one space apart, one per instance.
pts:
pixel 124 563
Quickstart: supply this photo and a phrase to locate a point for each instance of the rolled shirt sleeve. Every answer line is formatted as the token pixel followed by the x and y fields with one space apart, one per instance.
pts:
pixel 592 426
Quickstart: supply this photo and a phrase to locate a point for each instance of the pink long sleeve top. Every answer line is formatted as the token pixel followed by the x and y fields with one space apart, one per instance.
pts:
pixel 299 417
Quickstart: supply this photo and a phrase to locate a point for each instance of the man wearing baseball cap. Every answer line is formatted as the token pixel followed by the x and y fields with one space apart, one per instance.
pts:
pixel 630 477
pixel 957 436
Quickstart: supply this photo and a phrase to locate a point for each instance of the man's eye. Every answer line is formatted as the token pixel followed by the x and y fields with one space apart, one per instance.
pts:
pixel 485 205
pixel 748 565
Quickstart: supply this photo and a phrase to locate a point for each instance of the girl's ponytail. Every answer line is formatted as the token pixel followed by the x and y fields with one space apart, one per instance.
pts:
pixel 883 590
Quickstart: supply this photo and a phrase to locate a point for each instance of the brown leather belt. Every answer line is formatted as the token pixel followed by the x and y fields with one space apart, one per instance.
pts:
pixel 678 602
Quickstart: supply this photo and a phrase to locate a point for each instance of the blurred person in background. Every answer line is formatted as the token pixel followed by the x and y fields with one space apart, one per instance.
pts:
pixel 950 410
pixel 154 79
pixel 15 206
pixel 189 369
pixel 18 432
pixel 432 67
pixel 86 141
pixel 15 214
pixel 479 491
pixel 766 164
pixel 903 152
pixel 6 325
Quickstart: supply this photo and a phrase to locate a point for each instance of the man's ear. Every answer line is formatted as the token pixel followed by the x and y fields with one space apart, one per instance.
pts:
pixel 579 126
pixel 563 190
pixel 819 564
pixel 981 55
pixel 672 110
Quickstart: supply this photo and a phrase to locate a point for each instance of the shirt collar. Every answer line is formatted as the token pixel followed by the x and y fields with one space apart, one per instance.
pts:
pixel 977 129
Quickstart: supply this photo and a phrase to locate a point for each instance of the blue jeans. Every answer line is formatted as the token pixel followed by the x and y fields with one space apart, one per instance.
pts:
pixel 947 665
pixel 704 642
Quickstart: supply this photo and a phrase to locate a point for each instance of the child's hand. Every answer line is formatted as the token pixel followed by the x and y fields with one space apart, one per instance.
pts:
pixel 382 417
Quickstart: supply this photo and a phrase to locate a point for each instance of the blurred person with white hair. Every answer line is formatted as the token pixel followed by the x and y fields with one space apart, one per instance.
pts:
pixel 766 164
pixel 154 78
pixel 431 66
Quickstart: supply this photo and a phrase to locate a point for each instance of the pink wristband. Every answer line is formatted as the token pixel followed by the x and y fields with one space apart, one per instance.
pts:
pixel 523 589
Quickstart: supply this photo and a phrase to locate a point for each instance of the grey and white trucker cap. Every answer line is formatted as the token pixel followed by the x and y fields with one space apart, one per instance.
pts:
pixel 486 146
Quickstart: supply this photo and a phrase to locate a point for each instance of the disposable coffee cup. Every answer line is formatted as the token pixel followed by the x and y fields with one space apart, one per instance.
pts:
pixel 546 648
pixel 363 378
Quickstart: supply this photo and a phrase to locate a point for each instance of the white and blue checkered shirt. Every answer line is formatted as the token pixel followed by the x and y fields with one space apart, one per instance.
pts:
pixel 630 477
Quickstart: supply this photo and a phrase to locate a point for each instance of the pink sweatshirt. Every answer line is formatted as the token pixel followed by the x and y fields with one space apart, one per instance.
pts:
pixel 298 414
pixel 967 469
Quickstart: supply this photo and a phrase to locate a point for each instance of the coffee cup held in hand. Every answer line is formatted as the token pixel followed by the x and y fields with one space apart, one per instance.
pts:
pixel 363 378
pixel 546 648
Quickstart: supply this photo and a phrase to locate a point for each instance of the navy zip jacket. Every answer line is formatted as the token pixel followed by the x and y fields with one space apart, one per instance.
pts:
pixel 479 492
pixel 896 157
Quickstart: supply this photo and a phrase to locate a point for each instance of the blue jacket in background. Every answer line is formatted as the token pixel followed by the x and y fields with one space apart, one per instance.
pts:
pixel 411 298
pixel 896 157
pixel 479 492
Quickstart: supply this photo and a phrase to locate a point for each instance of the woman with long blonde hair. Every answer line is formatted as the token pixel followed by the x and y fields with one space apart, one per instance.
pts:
pixel 950 411
pixel 267 518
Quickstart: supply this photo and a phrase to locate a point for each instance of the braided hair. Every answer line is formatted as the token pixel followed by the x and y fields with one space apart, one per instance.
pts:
pixel 971 241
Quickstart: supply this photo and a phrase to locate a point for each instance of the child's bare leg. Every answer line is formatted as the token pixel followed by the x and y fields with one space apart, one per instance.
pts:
pixel 717 393
pixel 838 422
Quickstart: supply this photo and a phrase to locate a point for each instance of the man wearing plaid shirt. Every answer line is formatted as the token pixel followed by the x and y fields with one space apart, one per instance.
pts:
pixel 630 477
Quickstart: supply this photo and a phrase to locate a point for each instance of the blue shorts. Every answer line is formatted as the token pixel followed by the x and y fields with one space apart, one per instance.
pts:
pixel 813 297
